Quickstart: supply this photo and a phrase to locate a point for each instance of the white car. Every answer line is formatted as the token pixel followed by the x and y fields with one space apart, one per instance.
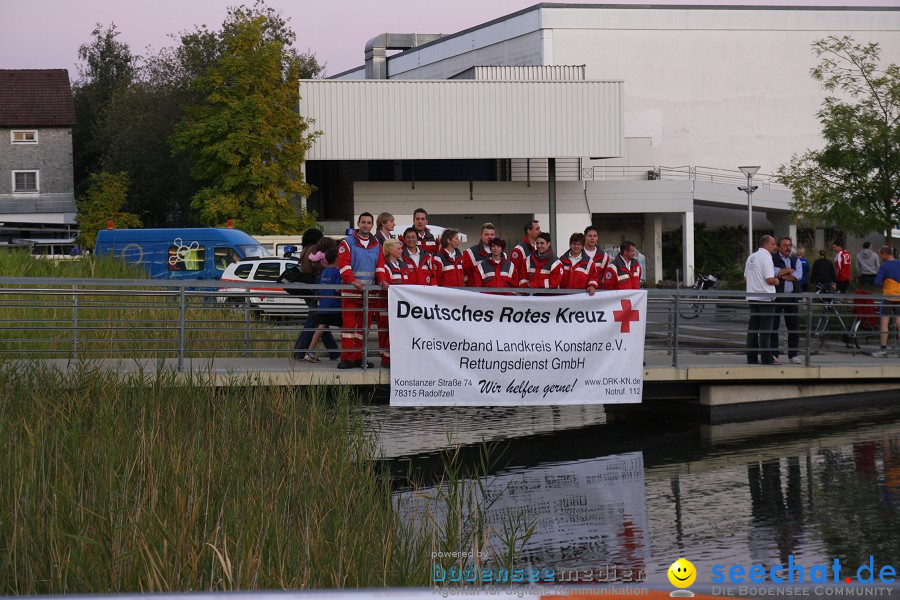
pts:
pixel 269 269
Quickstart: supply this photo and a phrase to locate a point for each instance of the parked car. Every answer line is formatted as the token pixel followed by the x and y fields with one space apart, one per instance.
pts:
pixel 268 269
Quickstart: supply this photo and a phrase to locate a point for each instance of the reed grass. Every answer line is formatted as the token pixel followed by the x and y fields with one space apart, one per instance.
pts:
pixel 151 482
pixel 116 483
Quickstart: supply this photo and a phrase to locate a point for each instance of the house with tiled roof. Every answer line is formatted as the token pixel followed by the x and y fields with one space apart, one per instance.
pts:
pixel 37 188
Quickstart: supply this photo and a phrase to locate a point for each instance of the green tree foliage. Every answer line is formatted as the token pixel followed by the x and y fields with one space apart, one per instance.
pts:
pixel 246 141
pixel 103 202
pixel 109 67
pixel 854 180
pixel 716 252
pixel 128 107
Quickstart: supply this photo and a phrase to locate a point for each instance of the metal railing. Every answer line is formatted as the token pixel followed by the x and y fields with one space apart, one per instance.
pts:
pixel 684 173
pixel 87 318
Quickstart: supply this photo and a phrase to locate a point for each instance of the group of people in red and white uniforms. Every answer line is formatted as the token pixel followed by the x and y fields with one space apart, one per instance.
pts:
pixel 418 258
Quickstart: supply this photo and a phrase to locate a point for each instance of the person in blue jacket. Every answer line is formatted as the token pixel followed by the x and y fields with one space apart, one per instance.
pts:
pixel 804 281
pixel 329 303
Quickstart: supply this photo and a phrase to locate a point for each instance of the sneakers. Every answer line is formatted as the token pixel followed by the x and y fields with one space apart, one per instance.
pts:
pixel 879 354
pixel 310 357
pixel 796 360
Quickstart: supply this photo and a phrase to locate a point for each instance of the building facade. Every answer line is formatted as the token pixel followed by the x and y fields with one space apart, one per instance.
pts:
pixel 37 195
pixel 706 89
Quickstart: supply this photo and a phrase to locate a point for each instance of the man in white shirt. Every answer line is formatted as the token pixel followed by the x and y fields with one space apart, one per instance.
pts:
pixel 759 271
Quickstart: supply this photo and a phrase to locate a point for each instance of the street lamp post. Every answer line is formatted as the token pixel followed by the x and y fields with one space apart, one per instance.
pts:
pixel 749 172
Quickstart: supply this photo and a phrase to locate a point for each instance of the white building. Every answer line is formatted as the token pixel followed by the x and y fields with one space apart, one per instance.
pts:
pixel 691 93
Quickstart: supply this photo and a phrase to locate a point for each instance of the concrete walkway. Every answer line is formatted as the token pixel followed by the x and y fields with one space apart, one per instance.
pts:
pixel 708 368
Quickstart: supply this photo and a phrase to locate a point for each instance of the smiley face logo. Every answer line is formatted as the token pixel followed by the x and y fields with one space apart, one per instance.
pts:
pixel 682 573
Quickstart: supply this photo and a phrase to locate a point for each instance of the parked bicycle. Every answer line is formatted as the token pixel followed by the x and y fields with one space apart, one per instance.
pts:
pixel 691 306
pixel 849 327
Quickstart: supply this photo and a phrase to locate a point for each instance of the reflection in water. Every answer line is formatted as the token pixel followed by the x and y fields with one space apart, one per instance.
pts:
pixel 816 488
pixel 404 431
pixel 588 515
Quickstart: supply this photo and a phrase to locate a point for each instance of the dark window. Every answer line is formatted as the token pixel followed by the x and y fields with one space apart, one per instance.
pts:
pixel 243 271
pixel 25 181
pixel 268 271
pixel 222 257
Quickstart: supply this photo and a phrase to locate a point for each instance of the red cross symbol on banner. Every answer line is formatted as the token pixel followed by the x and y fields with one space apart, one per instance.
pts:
pixel 626 316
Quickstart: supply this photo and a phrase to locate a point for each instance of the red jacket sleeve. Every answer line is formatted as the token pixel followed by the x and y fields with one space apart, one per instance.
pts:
pixel 343 263
pixel 610 279
pixel 380 270
pixel 593 276
pixel 556 275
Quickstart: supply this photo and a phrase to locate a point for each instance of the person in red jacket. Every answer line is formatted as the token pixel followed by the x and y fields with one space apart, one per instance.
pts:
pixel 841 266
pixel 623 272
pixel 480 251
pixel 361 263
pixel 426 239
pixel 396 272
pixel 418 261
pixel 497 271
pixel 579 272
pixel 543 269
pixel 448 263
pixel 524 249
pixel 594 252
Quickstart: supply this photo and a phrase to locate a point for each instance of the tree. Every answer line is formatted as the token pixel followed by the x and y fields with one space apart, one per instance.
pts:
pixel 109 66
pixel 246 141
pixel 854 181
pixel 101 203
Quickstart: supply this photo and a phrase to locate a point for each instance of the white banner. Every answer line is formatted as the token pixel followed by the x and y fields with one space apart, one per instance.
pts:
pixel 457 348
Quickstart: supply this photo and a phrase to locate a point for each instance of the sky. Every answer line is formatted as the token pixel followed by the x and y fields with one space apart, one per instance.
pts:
pixel 46 34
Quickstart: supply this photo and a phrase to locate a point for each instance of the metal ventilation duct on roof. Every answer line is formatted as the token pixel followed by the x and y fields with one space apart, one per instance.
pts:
pixel 377 47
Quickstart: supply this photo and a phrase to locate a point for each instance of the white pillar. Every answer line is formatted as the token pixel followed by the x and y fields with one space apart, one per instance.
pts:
pixel 653 246
pixel 303 174
pixel 819 242
pixel 785 226
pixel 687 265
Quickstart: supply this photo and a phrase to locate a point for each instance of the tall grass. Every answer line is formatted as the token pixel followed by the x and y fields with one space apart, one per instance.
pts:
pixel 140 483
pixel 147 482
pixel 20 263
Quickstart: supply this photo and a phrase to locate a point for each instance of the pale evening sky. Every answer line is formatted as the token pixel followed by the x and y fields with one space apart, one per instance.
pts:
pixel 44 34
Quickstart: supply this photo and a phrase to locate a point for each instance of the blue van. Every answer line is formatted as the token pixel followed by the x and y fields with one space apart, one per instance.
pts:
pixel 188 253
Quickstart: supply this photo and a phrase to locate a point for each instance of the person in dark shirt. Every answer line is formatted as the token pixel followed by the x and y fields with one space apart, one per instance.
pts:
pixel 822 273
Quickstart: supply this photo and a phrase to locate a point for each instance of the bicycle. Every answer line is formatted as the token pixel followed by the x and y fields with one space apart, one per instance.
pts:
pixel 851 326
pixel 694 304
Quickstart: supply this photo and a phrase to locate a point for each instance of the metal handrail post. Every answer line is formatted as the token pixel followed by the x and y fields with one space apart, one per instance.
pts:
pixel 809 319
pixel 75 321
pixel 181 329
pixel 675 329
pixel 246 326
pixel 365 340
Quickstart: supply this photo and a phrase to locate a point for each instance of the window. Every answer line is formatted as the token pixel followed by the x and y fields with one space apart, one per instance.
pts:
pixel 222 257
pixel 187 258
pixel 269 271
pixel 24 137
pixel 26 181
pixel 243 271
